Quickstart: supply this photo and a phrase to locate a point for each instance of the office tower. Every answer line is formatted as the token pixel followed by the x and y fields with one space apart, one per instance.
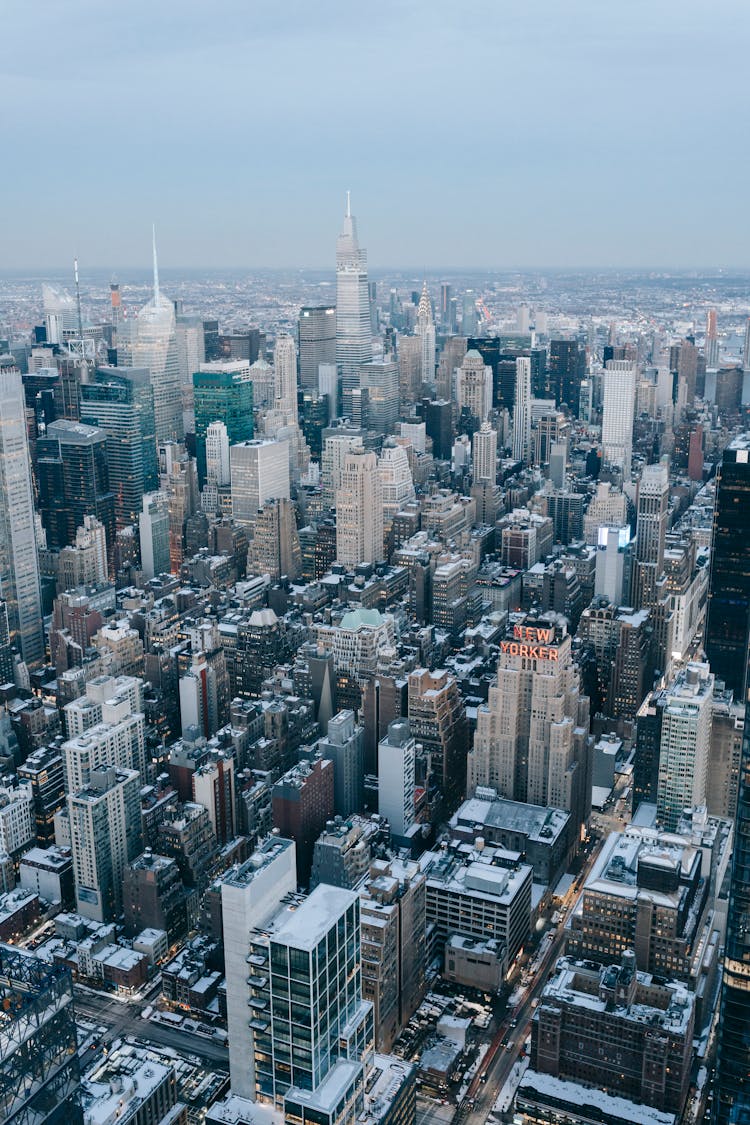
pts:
pixel 344 745
pixel 474 386
pixel 532 742
pixel 43 771
pixel 425 330
pixel 652 503
pixel 728 391
pixel 608 508
pixel 264 384
pixel 73 481
pixel 259 472
pixel 685 743
pixel 484 455
pixel 191 345
pixel 60 318
pixel 558 463
pixel 246 345
pixel 439 425
pixel 353 320
pixel 105 834
pixel 223 392
pixel 566 369
pixel 380 409
pixel 19 566
pixel 712 340
pixel 180 482
pixel 39 1061
pixel 437 721
pixel 359 510
pixel 446 292
pixel 623 641
pixel 85 562
pixel 285 374
pixel 275 547
pixel 121 402
pixel 153 528
pixel 396 778
pixel 214 788
pixel 303 802
pixel 149 340
pixel 522 410
pixel 451 358
pixel 317 341
pixel 469 314
pixel 728 610
pixel 611 563
pixel 617 417
pixel 329 385
pixel 199 703
pixel 608 1044
pixel 217 454
pixel 397 485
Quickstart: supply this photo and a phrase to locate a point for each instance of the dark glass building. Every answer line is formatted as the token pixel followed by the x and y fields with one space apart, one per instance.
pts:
pixel 567 367
pixel 223 392
pixel 728 614
pixel 73 481
pixel 121 402
pixel 317 341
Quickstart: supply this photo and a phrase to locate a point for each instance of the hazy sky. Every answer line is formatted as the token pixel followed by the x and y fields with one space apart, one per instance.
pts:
pixel 471 132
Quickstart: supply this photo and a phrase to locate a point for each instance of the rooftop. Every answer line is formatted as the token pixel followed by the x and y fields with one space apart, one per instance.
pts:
pixel 303 927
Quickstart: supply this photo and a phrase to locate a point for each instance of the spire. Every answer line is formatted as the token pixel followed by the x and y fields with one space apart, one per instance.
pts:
pixel 348 205
pixel 156 268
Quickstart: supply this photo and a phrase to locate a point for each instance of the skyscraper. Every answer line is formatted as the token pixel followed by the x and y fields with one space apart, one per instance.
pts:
pixel 353 321
pixel 425 330
pixel 223 392
pixel 285 373
pixel 217 454
pixel 474 386
pixel 379 382
pixel 121 402
pixel 484 455
pixel 685 743
pixel 728 612
pixel 396 773
pixel 73 480
pixel 260 472
pixel 359 510
pixel 105 833
pixel 19 567
pixel 617 418
pixel 150 341
pixel 153 526
pixel 522 410
pixel 651 529
pixel 317 341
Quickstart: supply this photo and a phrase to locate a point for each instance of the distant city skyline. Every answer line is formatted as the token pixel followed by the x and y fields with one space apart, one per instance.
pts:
pixel 539 135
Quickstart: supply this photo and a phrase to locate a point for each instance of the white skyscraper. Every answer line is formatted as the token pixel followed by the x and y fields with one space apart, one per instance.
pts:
pixel 685 744
pixel 19 567
pixel 217 454
pixel 359 510
pixel 474 386
pixel 285 372
pixel 105 834
pixel 425 329
pixel 617 417
pixel 484 455
pixel 153 527
pixel 353 321
pixel 395 479
pixel 396 772
pixel 150 340
pixel 259 471
pixel 522 410
pixel 335 448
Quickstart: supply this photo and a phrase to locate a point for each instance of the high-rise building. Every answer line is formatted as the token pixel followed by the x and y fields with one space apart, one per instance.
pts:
pixel 522 410
pixel 105 833
pixel 317 341
pixel 712 340
pixel 437 720
pixel 85 562
pixel 379 384
pixel 359 510
pixel 121 402
pixel 19 566
pixel 566 369
pixel 617 416
pixel 652 504
pixel 685 743
pixel 484 455
pixel 39 1062
pixel 217 455
pixel 222 392
pixel 153 526
pixel 395 479
pixel 425 330
pixel 612 553
pixel 275 546
pixel 285 375
pixel 260 472
pixel 728 612
pixel 344 745
pixel 474 386
pixel 532 741
pixel 73 480
pixel 396 777
pixel 353 319
pixel 149 340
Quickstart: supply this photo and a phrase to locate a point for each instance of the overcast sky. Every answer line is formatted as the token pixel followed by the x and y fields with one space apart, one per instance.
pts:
pixel 470 132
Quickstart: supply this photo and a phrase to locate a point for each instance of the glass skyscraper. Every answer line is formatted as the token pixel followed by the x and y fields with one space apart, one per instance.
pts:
pixel 353 321
pixel 728 613
pixel 223 392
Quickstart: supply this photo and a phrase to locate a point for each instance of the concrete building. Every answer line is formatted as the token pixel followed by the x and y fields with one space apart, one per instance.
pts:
pixel 105 833
pixel 259 471
pixel 303 803
pixel 542 837
pixel 396 778
pixel 685 743
pixel 359 510
pixel 344 745
pixel 617 417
